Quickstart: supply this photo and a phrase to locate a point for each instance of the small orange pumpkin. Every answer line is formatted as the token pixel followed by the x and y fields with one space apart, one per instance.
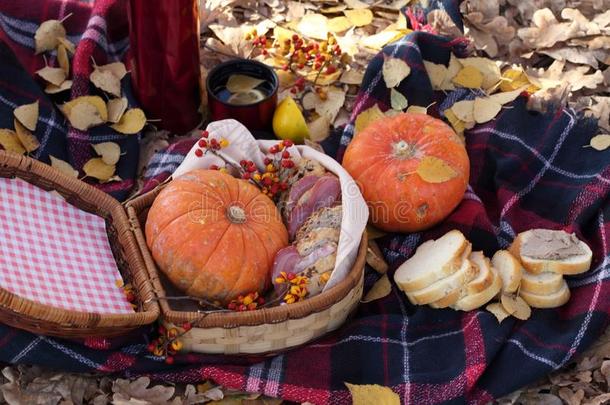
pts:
pixel 215 236
pixel 412 170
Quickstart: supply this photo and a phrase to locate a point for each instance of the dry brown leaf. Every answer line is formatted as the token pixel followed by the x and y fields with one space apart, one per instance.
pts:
pixel 53 89
pixel 359 17
pixel 600 142
pixel 63 166
pixel 242 83
pixel 356 4
pixel 498 311
pixel 367 117
pixel 116 107
pixel 28 141
pixel 63 60
pixel 10 142
pixel 581 56
pixel 47 34
pixel 374 257
pixel 132 122
pixel 319 129
pixel 485 109
pixel 314 26
pixel 27 115
pixel 516 306
pixel 571 397
pixel 330 107
pixel 333 9
pixel 489 34
pixel 398 101
pixel 309 100
pixel 395 71
pixel 110 152
pixel 372 394
pixel 382 288
pixel 139 392
pixel 52 75
pixel 339 24
pixel 352 76
pixel 98 169
pixel 469 77
pixel 106 80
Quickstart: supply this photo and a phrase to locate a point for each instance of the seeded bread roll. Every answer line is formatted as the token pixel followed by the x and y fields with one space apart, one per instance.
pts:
pixel 322 218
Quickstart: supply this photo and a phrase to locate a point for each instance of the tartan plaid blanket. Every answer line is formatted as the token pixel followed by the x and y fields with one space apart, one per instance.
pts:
pixel 528 170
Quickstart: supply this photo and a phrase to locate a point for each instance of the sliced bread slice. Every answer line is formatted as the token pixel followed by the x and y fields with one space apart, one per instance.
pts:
pixel 544 283
pixel 443 287
pixel 574 264
pixel 432 261
pixel 473 301
pixel 485 277
pixel 553 300
pixel 509 269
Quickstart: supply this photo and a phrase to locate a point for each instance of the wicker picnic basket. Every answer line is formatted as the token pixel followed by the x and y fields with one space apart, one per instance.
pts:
pixel 47 320
pixel 264 331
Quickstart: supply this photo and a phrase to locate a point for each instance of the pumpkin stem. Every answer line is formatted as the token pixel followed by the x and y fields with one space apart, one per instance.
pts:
pixel 404 150
pixel 236 214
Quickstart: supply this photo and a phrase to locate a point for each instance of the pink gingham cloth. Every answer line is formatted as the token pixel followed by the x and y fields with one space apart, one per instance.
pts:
pixel 56 254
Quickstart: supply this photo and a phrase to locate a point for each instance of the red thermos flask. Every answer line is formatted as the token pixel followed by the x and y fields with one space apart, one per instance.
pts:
pixel 164 43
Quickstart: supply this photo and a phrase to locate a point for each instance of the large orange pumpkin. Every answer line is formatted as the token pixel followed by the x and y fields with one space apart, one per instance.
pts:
pixel 215 236
pixel 384 159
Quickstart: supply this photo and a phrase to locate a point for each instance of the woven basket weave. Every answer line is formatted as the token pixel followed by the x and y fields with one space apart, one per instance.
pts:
pixel 264 331
pixel 47 320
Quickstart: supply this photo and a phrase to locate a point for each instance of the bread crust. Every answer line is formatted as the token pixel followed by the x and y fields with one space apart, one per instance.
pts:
pixel 529 284
pixel 554 300
pixel 554 266
pixel 426 279
pixel 444 287
pixel 511 274
pixel 470 302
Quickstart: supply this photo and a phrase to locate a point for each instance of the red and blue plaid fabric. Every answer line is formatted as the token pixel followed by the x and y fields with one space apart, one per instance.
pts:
pixel 528 170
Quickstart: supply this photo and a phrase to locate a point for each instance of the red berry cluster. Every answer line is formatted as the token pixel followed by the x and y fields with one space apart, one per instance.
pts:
pixel 209 144
pixel 248 302
pixel 167 344
pixel 129 292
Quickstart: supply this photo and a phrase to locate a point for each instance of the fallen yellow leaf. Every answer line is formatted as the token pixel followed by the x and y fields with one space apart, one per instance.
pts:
pixel 367 117
pixel 394 71
pixel 97 169
pixel 339 24
pixel 85 115
pixel 27 115
pixel 513 79
pixel 67 44
pixel 52 75
pixel 116 68
pixel 438 76
pixel 469 77
pixel 600 142
pixel 28 141
pixel 131 122
pixel 498 310
pixel 488 68
pixel 314 26
pixel 110 152
pixel 97 101
pixel 63 166
pixel 53 89
pixel 485 109
pixel 62 59
pixel 116 107
pixel 434 170
pixel 456 123
pixel 242 83
pixel 397 100
pixel 417 109
pixel 380 289
pixel 359 17
pixel 10 142
pixel 464 110
pixel 47 34
pixel 372 394
pixel 383 38
pixel 516 306
pixel 106 80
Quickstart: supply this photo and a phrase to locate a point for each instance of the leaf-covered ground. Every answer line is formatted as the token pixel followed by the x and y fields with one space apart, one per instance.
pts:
pixel 561 46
